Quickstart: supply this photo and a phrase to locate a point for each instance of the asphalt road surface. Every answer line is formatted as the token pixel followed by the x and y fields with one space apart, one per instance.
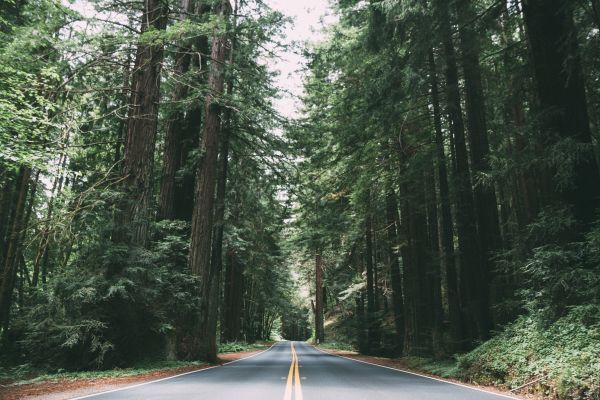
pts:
pixel 297 371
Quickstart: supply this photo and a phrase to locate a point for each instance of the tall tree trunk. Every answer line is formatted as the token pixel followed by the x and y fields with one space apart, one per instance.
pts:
pixel 232 299
pixel 7 202
pixel 391 208
pixel 561 92
pixel 319 322
pixel 141 130
pixel 217 246
pixel 468 244
pixel 486 203
pixel 359 319
pixel 446 230
pixel 174 127
pixel 373 335
pixel 434 273
pixel 11 261
pixel 202 218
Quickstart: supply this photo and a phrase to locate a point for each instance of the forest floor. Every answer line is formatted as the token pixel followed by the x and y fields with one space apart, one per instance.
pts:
pixel 72 387
pixel 400 364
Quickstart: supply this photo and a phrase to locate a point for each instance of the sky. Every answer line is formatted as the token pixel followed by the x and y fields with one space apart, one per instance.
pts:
pixel 310 17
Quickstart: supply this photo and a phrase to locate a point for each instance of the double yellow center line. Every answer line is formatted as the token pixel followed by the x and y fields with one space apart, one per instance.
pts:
pixel 293 379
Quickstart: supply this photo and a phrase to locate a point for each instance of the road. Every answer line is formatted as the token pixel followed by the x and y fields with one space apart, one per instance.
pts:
pixel 297 371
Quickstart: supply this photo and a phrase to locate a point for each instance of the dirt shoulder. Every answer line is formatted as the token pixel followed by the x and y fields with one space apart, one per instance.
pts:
pixel 62 389
pixel 400 365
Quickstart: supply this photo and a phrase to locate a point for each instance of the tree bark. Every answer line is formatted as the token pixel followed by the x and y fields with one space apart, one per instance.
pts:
pixel 202 218
pixel 468 244
pixel 217 247
pixel 174 128
pixel 10 264
pixel 486 203
pixel 373 335
pixel 6 205
pixel 446 230
pixel 232 299
pixel 138 161
pixel 555 57
pixel 391 208
pixel 319 323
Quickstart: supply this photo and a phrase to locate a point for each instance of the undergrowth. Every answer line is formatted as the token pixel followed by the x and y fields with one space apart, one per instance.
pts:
pixel 26 374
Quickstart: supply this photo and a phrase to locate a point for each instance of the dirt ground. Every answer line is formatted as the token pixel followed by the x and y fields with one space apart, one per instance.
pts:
pixel 71 388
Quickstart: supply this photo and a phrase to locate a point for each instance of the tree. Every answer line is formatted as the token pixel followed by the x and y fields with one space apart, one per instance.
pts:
pixel 202 219
pixel 138 159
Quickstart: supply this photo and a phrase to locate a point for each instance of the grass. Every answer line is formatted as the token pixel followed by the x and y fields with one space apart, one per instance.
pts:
pixel 337 346
pixel 236 347
pixel 24 374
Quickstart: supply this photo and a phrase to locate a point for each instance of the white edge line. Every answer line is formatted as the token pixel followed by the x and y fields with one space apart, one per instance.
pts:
pixel 421 375
pixel 170 377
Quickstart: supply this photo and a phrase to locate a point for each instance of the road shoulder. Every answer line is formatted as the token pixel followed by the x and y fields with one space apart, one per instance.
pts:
pixel 59 389
pixel 398 364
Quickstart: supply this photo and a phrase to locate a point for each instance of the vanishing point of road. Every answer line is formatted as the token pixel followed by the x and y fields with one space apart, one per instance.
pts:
pixel 297 371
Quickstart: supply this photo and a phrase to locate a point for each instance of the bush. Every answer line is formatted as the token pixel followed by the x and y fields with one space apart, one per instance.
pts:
pixel 112 306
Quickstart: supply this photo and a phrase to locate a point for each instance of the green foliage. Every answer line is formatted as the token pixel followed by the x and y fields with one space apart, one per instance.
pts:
pixel 563 355
pixel 337 346
pixel 236 347
pixel 24 374
pixel 111 306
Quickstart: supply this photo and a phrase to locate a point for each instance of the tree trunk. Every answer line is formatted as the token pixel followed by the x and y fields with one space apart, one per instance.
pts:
pixel 217 247
pixel 373 335
pixel 391 208
pixel 174 128
pixel 6 205
pixel 319 323
pixel 557 70
pixel 9 267
pixel 141 131
pixel 434 274
pixel 446 230
pixel 232 299
pixel 486 203
pixel 202 218
pixel 468 244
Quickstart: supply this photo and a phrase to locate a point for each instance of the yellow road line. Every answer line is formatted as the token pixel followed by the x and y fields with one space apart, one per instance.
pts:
pixel 298 387
pixel 293 378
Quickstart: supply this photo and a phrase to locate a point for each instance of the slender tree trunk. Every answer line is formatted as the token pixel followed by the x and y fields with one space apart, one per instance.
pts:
pixel 391 208
pixel 434 272
pixel 217 248
pixel 319 322
pixel 445 217
pixel 141 130
pixel 468 244
pixel 359 320
pixel 372 322
pixel 486 203
pixel 561 92
pixel 6 205
pixel 10 264
pixel 202 218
